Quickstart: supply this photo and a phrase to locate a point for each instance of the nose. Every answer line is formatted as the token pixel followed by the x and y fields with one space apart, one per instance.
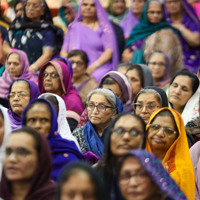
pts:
pixel 12 157
pixel 95 110
pixel 126 136
pixel 132 181
pixel 16 97
pixel 177 90
pixel 160 133
pixel 144 109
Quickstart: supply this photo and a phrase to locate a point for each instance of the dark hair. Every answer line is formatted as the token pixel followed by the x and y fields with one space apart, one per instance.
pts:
pixel 194 79
pixel 17 2
pixel 108 81
pixel 73 168
pixel 1 113
pixel 80 53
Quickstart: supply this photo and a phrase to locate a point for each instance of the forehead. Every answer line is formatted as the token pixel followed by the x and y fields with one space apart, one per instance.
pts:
pixel 98 98
pixel 183 80
pixel 20 86
pixel 14 56
pixel 89 1
pixel 133 73
pixel 114 87
pixel 39 109
pixel 155 6
pixel 50 68
pixel 147 98
pixel 157 56
pixel 166 121
pixel 34 1
pixel 131 164
pixel 76 58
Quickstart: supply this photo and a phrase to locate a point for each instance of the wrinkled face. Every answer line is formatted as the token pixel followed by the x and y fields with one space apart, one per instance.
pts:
pixel 154 13
pixel 34 10
pixel 78 66
pixel 160 141
pixel 51 80
pixel 157 65
pixel 137 6
pixel 149 103
pixel 119 7
pixel 19 97
pixel 120 145
pixel 14 65
pixel 19 10
pixel 78 186
pixel 98 118
pixel 180 91
pixel 39 118
pixel 134 80
pixel 88 9
pixel 1 128
pixel 21 159
pixel 134 180
pixel 173 6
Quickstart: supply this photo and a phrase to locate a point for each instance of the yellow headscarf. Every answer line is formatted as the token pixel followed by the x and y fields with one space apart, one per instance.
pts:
pixel 177 160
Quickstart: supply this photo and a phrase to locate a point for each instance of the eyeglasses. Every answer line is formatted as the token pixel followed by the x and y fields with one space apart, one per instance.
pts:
pixel 20 152
pixel 155 12
pixel 149 107
pixel 100 107
pixel 138 177
pixel 78 63
pixel 119 132
pixel 52 75
pixel 159 64
pixel 155 128
pixel 19 94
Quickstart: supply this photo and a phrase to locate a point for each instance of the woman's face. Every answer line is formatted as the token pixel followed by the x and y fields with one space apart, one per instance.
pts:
pixel 99 118
pixel 78 186
pixel 14 65
pixel 39 118
pixel 119 7
pixel 120 144
pixel 159 140
pixel 154 13
pixel 21 158
pixel 19 97
pixel 134 79
pixel 34 10
pixel 180 91
pixel 157 65
pixel 1 128
pixel 19 10
pixel 51 80
pixel 137 6
pixel 173 6
pixel 134 181
pixel 88 9
pixel 146 104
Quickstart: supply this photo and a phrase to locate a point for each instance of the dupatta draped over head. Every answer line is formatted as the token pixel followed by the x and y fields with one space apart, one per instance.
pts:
pixel 177 160
pixel 6 80
pixel 42 187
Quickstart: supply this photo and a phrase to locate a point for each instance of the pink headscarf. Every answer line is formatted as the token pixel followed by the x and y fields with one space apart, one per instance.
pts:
pixel 6 80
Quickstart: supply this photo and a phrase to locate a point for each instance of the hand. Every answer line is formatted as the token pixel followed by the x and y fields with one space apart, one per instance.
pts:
pixel 33 68
pixel 91 69
pixel 127 55
pixel 178 26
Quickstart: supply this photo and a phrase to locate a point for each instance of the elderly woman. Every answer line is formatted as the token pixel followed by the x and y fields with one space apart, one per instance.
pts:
pixel 27 167
pixel 140 171
pixel 92 32
pixel 102 105
pixel 34 33
pixel 168 141
pixel 182 16
pixel 20 94
pixel 55 77
pixel 16 67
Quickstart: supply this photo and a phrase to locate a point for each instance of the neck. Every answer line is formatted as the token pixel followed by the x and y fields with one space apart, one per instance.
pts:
pixel 177 108
pixel 89 20
pixel 159 153
pixel 176 18
pixel 100 130
pixel 77 80
pixel 137 15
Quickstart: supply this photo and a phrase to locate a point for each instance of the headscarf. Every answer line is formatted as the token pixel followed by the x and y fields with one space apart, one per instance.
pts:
pixel 70 95
pixel 148 78
pixel 42 187
pixel 63 126
pixel 93 141
pixel 6 80
pixel 63 151
pixel 177 160
pixel 145 28
pixel 7 131
pixel 15 120
pixel 157 173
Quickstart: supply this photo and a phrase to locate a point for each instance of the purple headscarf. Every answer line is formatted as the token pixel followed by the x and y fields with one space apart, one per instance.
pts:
pixel 34 93
pixel 6 80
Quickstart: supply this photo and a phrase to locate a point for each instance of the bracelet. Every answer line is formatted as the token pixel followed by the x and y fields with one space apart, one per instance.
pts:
pixel 97 64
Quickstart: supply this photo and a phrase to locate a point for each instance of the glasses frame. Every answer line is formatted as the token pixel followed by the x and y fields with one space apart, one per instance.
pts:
pixel 96 106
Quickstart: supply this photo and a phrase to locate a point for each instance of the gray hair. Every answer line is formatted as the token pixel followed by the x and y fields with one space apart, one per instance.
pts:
pixel 109 95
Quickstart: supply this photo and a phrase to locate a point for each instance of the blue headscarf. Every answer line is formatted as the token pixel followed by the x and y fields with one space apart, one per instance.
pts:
pixel 63 151
pixel 93 141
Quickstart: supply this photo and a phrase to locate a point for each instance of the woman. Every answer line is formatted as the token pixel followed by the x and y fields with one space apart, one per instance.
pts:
pixel 5 130
pixel 126 132
pixel 102 105
pixel 183 17
pixel 55 77
pixel 35 34
pixel 21 92
pixel 159 64
pixel 79 180
pixel 31 178
pixel 132 18
pixel 171 147
pixel 183 94
pixel 148 175
pixel 16 67
pixel 41 116
pixel 148 100
pixel 92 32
pixel 149 23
